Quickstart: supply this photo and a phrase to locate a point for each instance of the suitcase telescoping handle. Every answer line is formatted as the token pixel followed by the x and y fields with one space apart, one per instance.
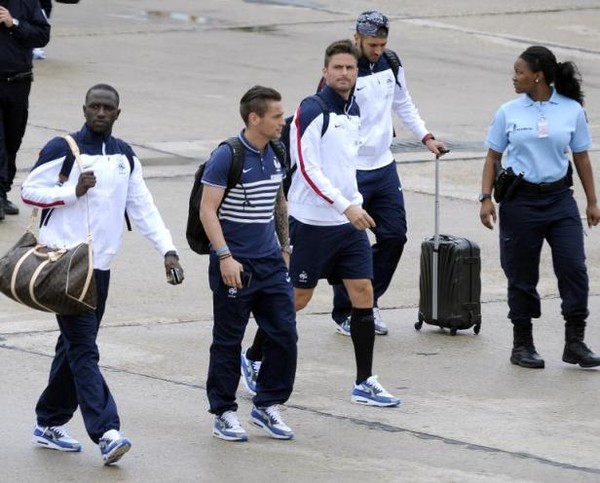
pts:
pixel 436 240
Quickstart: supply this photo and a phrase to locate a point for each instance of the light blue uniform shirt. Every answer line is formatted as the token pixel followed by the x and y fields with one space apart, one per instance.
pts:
pixel 518 124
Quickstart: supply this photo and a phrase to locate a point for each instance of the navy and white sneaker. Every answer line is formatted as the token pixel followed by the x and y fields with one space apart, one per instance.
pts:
pixel 249 370
pixel 228 427
pixel 371 393
pixel 113 446
pixel 380 327
pixel 55 437
pixel 270 420
pixel 344 327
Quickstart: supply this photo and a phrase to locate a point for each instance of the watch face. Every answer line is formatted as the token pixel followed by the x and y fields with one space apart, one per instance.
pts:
pixel 484 196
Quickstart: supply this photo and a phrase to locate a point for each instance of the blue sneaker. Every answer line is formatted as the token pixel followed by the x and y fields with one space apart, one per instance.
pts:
pixel 344 327
pixel 55 437
pixel 249 370
pixel 371 393
pixel 113 446
pixel 228 427
pixel 270 420
pixel 380 327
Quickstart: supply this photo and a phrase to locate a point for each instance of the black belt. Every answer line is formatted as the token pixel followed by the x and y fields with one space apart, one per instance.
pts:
pixel 23 76
pixel 542 188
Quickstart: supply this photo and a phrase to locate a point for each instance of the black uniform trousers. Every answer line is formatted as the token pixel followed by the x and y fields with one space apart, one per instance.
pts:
pixel 14 108
pixel 526 220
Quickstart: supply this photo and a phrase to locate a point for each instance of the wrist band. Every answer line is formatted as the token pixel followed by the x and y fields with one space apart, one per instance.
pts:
pixel 223 257
pixel 222 251
pixel 427 137
pixel 172 253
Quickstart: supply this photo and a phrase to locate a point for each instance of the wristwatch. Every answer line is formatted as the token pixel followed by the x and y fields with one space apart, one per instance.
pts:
pixel 15 23
pixel 484 196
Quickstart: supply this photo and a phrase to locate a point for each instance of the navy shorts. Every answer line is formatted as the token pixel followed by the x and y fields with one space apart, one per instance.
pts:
pixel 333 252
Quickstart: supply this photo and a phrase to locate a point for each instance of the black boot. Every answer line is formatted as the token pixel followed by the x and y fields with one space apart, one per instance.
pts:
pixel 523 352
pixel 576 352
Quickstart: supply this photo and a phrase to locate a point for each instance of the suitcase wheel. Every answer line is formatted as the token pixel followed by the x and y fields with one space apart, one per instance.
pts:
pixel 453 331
pixel 418 325
pixel 477 328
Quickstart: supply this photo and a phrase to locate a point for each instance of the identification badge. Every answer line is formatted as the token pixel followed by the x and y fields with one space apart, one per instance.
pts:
pixel 542 128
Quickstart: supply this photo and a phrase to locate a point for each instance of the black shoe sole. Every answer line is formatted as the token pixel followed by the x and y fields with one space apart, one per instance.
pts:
pixel 581 364
pixel 535 365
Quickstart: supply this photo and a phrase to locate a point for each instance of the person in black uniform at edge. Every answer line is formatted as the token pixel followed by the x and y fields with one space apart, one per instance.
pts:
pixel 23 26
pixel 536 131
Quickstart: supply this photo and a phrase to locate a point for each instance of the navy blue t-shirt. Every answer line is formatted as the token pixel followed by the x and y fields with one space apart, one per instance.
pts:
pixel 247 211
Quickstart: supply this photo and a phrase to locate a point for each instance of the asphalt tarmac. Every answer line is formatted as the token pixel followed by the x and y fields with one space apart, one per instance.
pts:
pixel 467 414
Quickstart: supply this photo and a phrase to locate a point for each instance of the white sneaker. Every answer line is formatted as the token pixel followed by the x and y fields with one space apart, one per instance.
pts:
pixel 113 446
pixel 380 327
pixel 39 53
pixel 227 426
pixel 249 370
pixel 271 421
pixel 371 393
pixel 344 327
pixel 55 437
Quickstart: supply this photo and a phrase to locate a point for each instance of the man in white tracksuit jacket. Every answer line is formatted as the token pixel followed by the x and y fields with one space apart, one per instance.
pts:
pixel 379 92
pixel 111 182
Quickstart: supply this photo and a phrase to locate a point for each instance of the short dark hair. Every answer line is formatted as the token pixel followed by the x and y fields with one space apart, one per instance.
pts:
pixel 341 47
pixel 102 87
pixel 256 100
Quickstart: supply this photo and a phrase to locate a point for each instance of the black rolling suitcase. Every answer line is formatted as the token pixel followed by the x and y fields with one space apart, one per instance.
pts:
pixel 450 280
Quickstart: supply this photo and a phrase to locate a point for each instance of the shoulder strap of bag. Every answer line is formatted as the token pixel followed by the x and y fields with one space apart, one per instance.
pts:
pixel 394 62
pixel 75 150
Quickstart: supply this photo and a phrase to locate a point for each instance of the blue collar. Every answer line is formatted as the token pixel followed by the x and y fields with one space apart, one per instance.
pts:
pixel 528 101
pixel 335 101
pixel 87 136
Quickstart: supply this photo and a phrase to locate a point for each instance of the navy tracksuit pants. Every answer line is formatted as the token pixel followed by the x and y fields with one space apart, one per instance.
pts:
pixel 270 298
pixel 75 378
pixel 384 201
pixel 526 220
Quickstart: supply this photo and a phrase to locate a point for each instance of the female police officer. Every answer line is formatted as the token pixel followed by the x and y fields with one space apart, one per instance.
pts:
pixel 536 130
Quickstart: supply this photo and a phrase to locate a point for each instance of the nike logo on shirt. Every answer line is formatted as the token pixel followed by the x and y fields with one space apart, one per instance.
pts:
pixel 246 170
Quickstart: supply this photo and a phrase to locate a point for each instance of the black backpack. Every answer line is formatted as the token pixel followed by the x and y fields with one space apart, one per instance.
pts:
pixel 195 234
pixel 285 139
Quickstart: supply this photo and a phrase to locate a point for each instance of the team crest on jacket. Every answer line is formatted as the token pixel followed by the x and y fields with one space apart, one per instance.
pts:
pixel 276 163
pixel 122 169
pixel 232 292
pixel 303 277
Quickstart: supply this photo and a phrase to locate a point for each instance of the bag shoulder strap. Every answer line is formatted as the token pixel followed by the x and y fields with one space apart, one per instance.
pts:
pixel 75 150
pixel 237 160
pixel 279 150
pixel 394 62
pixel 323 103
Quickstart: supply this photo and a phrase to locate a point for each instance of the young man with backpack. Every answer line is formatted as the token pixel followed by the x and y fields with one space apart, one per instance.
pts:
pixel 247 270
pixel 380 90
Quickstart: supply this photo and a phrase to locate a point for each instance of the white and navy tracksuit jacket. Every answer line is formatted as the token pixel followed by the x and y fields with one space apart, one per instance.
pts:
pixel 378 94
pixel 117 189
pixel 324 183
